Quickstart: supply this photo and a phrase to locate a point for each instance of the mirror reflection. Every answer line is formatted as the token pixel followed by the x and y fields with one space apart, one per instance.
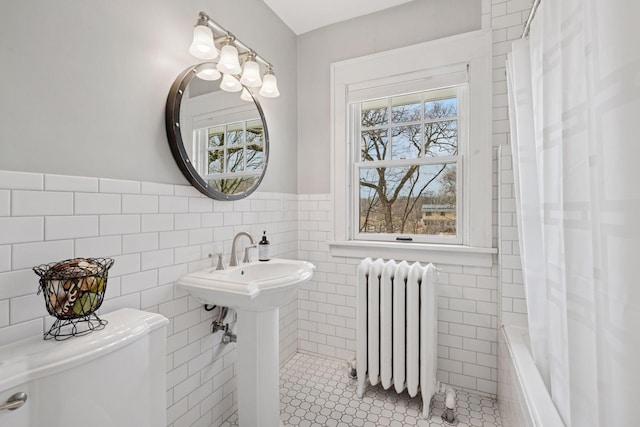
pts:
pixel 224 138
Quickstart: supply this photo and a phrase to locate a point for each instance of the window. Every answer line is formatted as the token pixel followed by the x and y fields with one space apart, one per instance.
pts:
pixel 230 156
pixel 406 164
pixel 411 151
pixel 231 147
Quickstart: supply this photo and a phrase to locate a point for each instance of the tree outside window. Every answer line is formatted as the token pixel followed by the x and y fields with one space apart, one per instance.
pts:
pixel 408 162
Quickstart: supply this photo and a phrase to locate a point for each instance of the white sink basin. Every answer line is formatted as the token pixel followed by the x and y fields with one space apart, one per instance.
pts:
pixel 257 285
pixel 256 291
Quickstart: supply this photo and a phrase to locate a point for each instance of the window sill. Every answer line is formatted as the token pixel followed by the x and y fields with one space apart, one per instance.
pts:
pixel 423 252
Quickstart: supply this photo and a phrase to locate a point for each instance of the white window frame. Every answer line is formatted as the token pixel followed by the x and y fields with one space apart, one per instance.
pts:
pixel 394 71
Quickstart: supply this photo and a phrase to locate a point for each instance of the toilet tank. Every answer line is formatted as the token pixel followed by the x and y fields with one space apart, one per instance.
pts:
pixel 113 377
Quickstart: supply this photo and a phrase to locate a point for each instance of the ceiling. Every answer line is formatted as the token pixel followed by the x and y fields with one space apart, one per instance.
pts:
pixel 306 15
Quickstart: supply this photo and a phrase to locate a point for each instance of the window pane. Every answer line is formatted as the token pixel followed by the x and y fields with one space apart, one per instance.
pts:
pixel 405 142
pixel 440 108
pixel 410 200
pixel 406 108
pixel 216 164
pixel 374 113
pixel 255 157
pixel 235 133
pixel 215 137
pixel 234 159
pixel 255 132
pixel 373 144
pixel 441 138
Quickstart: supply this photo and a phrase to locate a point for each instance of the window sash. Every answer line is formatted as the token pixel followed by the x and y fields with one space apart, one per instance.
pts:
pixel 201 151
pixel 357 165
pixel 420 238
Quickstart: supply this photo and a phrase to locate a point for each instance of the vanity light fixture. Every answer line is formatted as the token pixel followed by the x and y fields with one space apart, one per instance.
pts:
pixel 209 72
pixel 269 85
pixel 228 62
pixel 202 46
pixel 251 72
pixel 230 84
pixel 205 36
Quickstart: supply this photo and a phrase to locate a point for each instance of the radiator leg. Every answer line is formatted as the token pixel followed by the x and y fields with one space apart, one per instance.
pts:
pixel 361 369
pixel 426 408
pixel 361 387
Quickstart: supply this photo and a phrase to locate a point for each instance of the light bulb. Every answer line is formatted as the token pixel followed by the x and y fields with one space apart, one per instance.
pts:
pixel 230 83
pixel 228 62
pixel 208 72
pixel 269 85
pixel 202 45
pixel 251 74
pixel 246 95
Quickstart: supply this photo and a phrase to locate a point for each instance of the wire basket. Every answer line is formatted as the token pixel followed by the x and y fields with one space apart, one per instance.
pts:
pixel 73 290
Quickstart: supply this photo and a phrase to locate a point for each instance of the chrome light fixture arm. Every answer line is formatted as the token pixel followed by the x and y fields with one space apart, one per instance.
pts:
pixel 204 19
pixel 206 34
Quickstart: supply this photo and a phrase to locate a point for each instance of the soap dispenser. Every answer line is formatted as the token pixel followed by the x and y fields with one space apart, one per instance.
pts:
pixel 263 248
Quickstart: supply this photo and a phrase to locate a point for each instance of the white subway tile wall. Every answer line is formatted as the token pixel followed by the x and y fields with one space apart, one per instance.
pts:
pixel 507 22
pixel 4 203
pixel 70 183
pixel 118 186
pixel 513 308
pixel 156 233
pixel 507 18
pixel 467 316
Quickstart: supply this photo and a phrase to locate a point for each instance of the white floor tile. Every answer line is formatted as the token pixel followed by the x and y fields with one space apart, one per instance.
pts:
pixel 316 392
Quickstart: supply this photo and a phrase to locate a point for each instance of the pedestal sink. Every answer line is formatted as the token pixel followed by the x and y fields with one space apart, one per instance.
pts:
pixel 255 290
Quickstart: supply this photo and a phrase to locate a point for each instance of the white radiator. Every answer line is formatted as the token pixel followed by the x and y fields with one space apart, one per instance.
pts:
pixel 397 326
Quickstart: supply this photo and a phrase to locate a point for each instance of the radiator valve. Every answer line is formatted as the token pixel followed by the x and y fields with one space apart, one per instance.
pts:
pixel 449 415
pixel 351 366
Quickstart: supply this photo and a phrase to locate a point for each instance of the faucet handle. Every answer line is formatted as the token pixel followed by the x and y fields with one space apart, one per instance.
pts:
pixel 220 265
pixel 246 252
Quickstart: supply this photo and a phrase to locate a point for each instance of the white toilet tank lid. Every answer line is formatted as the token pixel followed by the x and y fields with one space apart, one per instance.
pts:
pixel 34 358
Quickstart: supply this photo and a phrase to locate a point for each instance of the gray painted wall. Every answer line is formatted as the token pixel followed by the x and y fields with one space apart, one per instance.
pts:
pixel 414 22
pixel 84 84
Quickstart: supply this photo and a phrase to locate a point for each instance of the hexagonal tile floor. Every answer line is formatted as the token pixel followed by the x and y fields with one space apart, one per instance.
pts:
pixel 317 392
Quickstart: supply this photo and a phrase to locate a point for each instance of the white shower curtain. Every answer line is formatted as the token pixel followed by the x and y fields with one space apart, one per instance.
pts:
pixel 575 115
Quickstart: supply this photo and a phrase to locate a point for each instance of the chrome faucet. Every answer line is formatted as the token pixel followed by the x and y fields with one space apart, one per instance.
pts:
pixel 233 261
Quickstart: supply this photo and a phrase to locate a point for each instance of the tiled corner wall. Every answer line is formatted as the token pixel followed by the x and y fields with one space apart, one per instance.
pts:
pixel 485 11
pixel 507 21
pixel 507 18
pixel 467 316
pixel 156 233
pixel 513 306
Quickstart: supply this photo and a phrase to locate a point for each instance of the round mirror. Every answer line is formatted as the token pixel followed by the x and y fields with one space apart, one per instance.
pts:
pixel 218 139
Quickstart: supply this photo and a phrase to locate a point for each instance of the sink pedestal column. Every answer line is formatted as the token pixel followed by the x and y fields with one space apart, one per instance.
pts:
pixel 258 368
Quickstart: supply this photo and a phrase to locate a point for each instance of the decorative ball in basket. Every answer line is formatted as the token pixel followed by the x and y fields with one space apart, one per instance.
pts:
pixel 73 290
